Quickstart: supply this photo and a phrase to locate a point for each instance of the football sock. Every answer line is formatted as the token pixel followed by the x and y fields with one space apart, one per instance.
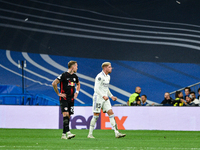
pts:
pixel 113 123
pixel 92 123
pixel 65 124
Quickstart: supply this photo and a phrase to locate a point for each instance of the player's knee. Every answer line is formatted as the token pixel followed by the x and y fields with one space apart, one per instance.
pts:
pixel 65 114
pixel 110 112
pixel 96 114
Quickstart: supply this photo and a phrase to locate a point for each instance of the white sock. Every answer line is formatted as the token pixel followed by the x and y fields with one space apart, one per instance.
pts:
pixel 92 123
pixel 113 123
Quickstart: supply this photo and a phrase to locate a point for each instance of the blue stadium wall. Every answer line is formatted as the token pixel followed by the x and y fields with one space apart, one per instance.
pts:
pixel 154 78
pixel 151 44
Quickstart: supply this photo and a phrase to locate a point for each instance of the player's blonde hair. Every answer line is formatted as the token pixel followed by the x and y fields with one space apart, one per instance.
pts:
pixel 71 63
pixel 105 64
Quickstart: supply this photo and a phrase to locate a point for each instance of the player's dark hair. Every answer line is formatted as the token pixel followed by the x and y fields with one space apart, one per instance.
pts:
pixel 192 92
pixel 177 94
pixel 188 89
pixel 144 96
pixel 71 63
pixel 198 89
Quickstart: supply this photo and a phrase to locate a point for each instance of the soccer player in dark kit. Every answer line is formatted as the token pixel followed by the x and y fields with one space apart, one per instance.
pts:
pixel 67 95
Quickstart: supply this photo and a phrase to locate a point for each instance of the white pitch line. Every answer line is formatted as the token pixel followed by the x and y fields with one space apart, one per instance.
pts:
pixel 80 101
pixel 24 76
pixel 106 32
pixel 126 18
pixel 58 66
pixel 15 64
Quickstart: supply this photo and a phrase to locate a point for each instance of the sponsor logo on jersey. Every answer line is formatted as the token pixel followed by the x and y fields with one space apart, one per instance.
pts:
pixel 71 84
pixel 105 84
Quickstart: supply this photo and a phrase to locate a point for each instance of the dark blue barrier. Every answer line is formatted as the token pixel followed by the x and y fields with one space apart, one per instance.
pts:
pixel 45 100
pixel 26 99
pixel 16 99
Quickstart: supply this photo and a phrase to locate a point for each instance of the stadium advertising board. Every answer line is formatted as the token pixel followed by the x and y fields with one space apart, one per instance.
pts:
pixel 127 118
pixel 82 120
pixel 29 117
pixel 141 118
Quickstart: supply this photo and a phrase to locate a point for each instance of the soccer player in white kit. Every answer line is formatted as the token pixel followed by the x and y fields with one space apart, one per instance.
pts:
pixel 101 100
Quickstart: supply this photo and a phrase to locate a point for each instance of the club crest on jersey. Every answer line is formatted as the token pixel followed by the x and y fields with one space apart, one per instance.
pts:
pixel 74 79
pixel 65 108
pixel 99 78
pixel 71 84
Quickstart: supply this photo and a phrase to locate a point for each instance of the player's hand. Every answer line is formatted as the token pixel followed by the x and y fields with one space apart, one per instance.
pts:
pixel 105 98
pixel 114 98
pixel 63 95
pixel 75 95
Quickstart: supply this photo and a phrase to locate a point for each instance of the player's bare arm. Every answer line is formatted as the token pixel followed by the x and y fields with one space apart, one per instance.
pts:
pixel 55 87
pixel 114 98
pixel 182 100
pixel 128 103
pixel 105 98
pixel 78 87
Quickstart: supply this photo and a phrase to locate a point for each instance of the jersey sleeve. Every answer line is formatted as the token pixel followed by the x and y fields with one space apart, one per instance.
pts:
pixel 98 82
pixel 109 93
pixel 61 77
pixel 138 98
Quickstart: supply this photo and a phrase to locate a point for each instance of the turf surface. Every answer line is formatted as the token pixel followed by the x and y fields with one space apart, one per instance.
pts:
pixel 104 140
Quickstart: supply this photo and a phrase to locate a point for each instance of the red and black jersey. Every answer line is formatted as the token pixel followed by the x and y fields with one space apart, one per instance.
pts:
pixel 67 84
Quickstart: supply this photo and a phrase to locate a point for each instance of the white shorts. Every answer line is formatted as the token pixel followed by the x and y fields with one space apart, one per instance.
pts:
pixel 99 103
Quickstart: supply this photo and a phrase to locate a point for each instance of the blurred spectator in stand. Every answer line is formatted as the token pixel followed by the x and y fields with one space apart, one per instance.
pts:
pixel 187 91
pixel 134 99
pixel 168 100
pixel 179 101
pixel 138 102
pixel 189 100
pixel 194 100
pixel 144 101
pixel 198 94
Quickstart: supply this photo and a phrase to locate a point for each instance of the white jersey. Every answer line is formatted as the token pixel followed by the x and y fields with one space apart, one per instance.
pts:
pixel 196 101
pixel 101 85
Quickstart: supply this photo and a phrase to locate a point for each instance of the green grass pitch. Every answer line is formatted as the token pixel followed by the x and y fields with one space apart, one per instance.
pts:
pixel 47 139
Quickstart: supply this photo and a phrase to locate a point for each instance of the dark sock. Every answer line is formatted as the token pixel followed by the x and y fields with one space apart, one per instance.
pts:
pixel 65 124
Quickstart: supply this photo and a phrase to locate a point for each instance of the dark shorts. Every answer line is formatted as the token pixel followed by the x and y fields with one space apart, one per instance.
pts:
pixel 67 106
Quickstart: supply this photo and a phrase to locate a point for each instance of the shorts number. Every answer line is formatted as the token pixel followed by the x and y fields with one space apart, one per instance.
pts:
pixel 98 105
pixel 72 109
